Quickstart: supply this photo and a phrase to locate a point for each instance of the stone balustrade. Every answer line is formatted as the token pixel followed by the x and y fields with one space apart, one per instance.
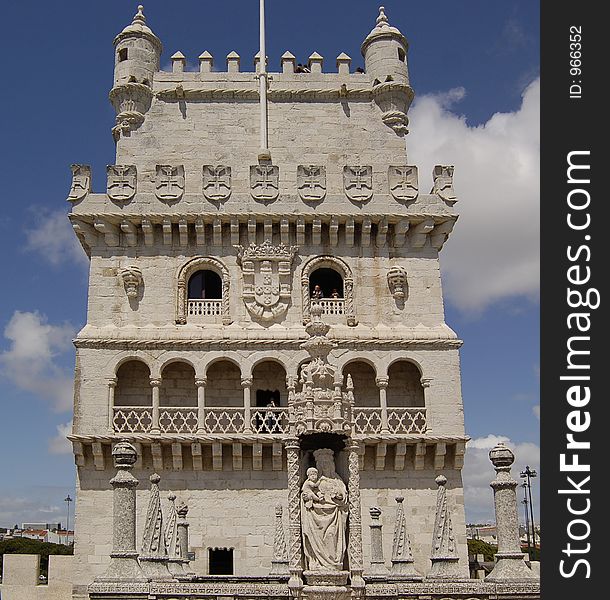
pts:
pixel 268 420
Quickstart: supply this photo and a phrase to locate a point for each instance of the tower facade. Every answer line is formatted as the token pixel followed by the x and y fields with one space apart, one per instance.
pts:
pixel 252 317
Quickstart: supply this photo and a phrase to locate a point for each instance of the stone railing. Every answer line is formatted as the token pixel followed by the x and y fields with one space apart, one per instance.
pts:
pixel 266 421
pixel 204 308
pixel 269 420
pixel 399 420
pixel 332 306
pixel 132 419
pixel 178 420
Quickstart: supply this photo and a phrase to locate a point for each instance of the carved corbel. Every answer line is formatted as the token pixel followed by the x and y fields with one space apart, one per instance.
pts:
pixel 440 233
pixel 420 232
pixel 110 231
pixel 131 233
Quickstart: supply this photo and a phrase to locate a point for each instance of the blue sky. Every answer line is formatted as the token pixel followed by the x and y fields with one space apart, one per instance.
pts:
pixel 474 65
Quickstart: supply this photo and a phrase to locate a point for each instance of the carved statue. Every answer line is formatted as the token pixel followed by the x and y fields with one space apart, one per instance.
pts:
pixel 324 515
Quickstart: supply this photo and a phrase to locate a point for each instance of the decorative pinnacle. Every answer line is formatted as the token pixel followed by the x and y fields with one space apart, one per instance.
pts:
pixel 375 512
pixel 124 454
pixel 154 478
pixel 441 480
pixel 501 456
pixel 382 20
pixel 171 496
pixel 399 499
pixel 139 17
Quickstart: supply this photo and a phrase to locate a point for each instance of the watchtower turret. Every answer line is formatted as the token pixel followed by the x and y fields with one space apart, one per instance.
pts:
pixel 137 58
pixel 385 58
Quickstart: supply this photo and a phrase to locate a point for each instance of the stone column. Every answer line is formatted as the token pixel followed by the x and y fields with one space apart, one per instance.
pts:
pixel 246 384
pixel 377 563
pixel 382 384
pixel 509 558
pixel 124 564
pixel 111 388
pixel 295 550
pixel 183 534
pixel 425 383
pixel 279 563
pixel 155 383
pixel 354 548
pixel 200 384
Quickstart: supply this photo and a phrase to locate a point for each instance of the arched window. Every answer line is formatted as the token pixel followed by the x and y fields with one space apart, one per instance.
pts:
pixel 269 395
pixel 223 388
pixel 203 292
pixel 178 385
pixel 404 385
pixel 133 384
pixel 131 402
pixel 328 281
pixel 205 285
pixel 366 393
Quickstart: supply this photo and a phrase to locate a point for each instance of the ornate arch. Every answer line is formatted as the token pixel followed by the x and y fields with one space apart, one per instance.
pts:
pixel 192 266
pixel 337 264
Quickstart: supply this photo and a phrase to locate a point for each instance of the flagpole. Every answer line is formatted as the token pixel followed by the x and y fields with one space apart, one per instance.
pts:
pixel 262 79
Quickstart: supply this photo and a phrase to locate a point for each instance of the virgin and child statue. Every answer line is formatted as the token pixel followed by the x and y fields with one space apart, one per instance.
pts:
pixel 324 515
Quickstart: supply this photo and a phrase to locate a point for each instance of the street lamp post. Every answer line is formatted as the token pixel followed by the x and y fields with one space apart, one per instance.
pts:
pixel 529 474
pixel 67 500
pixel 527 518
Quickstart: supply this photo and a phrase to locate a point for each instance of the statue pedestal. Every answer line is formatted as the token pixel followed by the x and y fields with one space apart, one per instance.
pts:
pixel 326 585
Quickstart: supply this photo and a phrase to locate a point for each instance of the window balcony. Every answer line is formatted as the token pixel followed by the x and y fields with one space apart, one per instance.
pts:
pixel 204 308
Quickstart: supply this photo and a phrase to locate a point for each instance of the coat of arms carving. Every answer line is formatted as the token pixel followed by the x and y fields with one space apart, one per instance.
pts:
pixel 311 182
pixel 358 183
pixel 81 182
pixel 443 183
pixel 403 182
pixel 265 182
pixel 169 183
pixel 216 182
pixel 122 182
pixel 267 272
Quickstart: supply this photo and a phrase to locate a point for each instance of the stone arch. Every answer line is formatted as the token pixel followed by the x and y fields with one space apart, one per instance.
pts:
pixel 364 377
pixel 115 364
pixel 269 382
pixel 224 384
pixel 405 388
pixel 337 264
pixel 192 266
pixel 177 387
pixel 133 384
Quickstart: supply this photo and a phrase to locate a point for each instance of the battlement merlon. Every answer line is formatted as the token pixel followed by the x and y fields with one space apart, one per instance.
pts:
pixel 138 80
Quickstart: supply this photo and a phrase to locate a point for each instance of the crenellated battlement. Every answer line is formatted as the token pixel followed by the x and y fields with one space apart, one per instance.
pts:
pixel 139 80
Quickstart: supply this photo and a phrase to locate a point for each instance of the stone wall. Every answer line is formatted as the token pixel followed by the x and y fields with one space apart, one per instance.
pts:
pixel 20 578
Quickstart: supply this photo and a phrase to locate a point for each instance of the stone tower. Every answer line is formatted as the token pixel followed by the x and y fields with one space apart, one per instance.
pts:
pixel 253 316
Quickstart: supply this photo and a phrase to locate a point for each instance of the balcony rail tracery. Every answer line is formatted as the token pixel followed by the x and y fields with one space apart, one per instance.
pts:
pixel 265 421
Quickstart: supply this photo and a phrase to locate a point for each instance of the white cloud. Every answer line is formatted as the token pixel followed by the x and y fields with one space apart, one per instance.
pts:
pixel 493 252
pixel 536 411
pixel 60 444
pixel 53 238
pixel 479 472
pixel 31 360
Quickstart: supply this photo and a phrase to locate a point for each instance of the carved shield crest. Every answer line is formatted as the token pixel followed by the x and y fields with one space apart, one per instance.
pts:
pixel 403 183
pixel 169 182
pixel 311 182
pixel 265 182
pixel 358 183
pixel 122 181
pixel 443 183
pixel 81 182
pixel 267 278
pixel 216 182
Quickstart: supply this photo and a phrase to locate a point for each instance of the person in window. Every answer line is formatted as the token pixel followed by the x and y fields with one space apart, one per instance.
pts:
pixel 270 423
pixel 334 293
pixel 317 293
